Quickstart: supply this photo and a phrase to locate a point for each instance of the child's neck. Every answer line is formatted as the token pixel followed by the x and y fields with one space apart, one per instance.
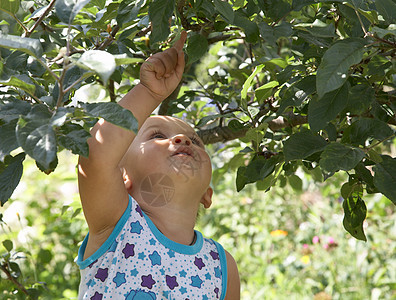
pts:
pixel 176 223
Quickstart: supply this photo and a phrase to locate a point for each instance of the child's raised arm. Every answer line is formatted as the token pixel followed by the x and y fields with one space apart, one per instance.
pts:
pixel 102 192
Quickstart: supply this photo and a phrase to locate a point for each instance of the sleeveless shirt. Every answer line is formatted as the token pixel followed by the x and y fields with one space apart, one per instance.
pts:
pixel 138 262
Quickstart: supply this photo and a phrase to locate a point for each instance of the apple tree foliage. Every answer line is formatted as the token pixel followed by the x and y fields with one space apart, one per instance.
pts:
pixel 292 84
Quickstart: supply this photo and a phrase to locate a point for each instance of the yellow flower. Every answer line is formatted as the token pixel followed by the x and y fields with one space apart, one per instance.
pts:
pixel 278 232
pixel 305 259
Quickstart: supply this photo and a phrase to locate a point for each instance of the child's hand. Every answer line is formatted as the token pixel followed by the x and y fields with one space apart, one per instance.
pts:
pixel 162 72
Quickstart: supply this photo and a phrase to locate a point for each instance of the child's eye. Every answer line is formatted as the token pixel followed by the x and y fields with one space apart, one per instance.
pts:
pixel 157 135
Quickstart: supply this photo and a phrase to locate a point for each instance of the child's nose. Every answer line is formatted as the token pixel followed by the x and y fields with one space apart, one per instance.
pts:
pixel 181 139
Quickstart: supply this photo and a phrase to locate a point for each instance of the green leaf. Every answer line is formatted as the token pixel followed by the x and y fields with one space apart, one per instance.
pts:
pixel 196 47
pixel 355 212
pixel 364 128
pixel 128 11
pixel 250 28
pixel 298 4
pixel 302 144
pixel 333 70
pixel 387 8
pixel 297 93
pixel 17 61
pixel 209 118
pixel 15 269
pixel 10 6
pixel 48 169
pixel 12 110
pixel 275 9
pixel 378 65
pixel 318 28
pixel 10 176
pixel 8 245
pixel 124 59
pixel 235 125
pixel 8 139
pixel 357 3
pixel 74 137
pixel 365 175
pixel 76 213
pixel 159 12
pixel 260 168
pixel 37 137
pixel 113 113
pixel 295 182
pixel 380 32
pixel 225 10
pixel 338 156
pixel 21 81
pixel 241 179
pixel 272 34
pixel 100 62
pixel 265 91
pixel 249 81
pixel 72 75
pixel 67 10
pixel 323 110
pixel 266 183
pixel 27 45
pixel 44 256
pixel 385 177
pixel 359 99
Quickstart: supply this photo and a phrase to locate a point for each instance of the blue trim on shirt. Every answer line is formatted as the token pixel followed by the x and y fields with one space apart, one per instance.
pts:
pixel 180 248
pixel 106 245
pixel 224 271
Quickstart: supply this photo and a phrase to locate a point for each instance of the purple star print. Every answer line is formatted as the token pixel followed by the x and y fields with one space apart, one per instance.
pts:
pixel 171 282
pixel 129 250
pixel 216 290
pixel 97 296
pixel 102 274
pixel 139 210
pixel 147 281
pixel 91 265
pixel 214 255
pixel 199 263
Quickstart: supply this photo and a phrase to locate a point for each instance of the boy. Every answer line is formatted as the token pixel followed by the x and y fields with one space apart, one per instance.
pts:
pixel 140 195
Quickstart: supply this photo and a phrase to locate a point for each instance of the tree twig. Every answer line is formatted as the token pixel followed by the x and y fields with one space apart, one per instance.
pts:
pixel 109 39
pixel 12 279
pixel 224 134
pixel 361 23
pixel 38 22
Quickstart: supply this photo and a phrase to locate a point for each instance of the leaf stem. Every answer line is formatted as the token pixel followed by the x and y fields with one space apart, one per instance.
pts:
pixel 56 77
pixel 379 142
pixel 82 77
pixel 61 91
pixel 361 23
pixel 16 19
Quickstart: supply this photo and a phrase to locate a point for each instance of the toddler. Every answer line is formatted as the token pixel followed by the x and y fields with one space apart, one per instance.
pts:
pixel 140 196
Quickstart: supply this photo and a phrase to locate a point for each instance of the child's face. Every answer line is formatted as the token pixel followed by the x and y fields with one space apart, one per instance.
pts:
pixel 169 146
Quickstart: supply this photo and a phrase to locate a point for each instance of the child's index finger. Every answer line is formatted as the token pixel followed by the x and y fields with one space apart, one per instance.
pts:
pixel 180 43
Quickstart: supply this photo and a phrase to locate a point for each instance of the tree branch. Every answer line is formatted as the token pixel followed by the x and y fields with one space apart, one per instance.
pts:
pixel 224 134
pixel 38 22
pixel 12 279
pixel 109 39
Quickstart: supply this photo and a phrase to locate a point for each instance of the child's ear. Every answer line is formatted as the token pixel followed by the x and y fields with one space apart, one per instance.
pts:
pixel 127 179
pixel 206 199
